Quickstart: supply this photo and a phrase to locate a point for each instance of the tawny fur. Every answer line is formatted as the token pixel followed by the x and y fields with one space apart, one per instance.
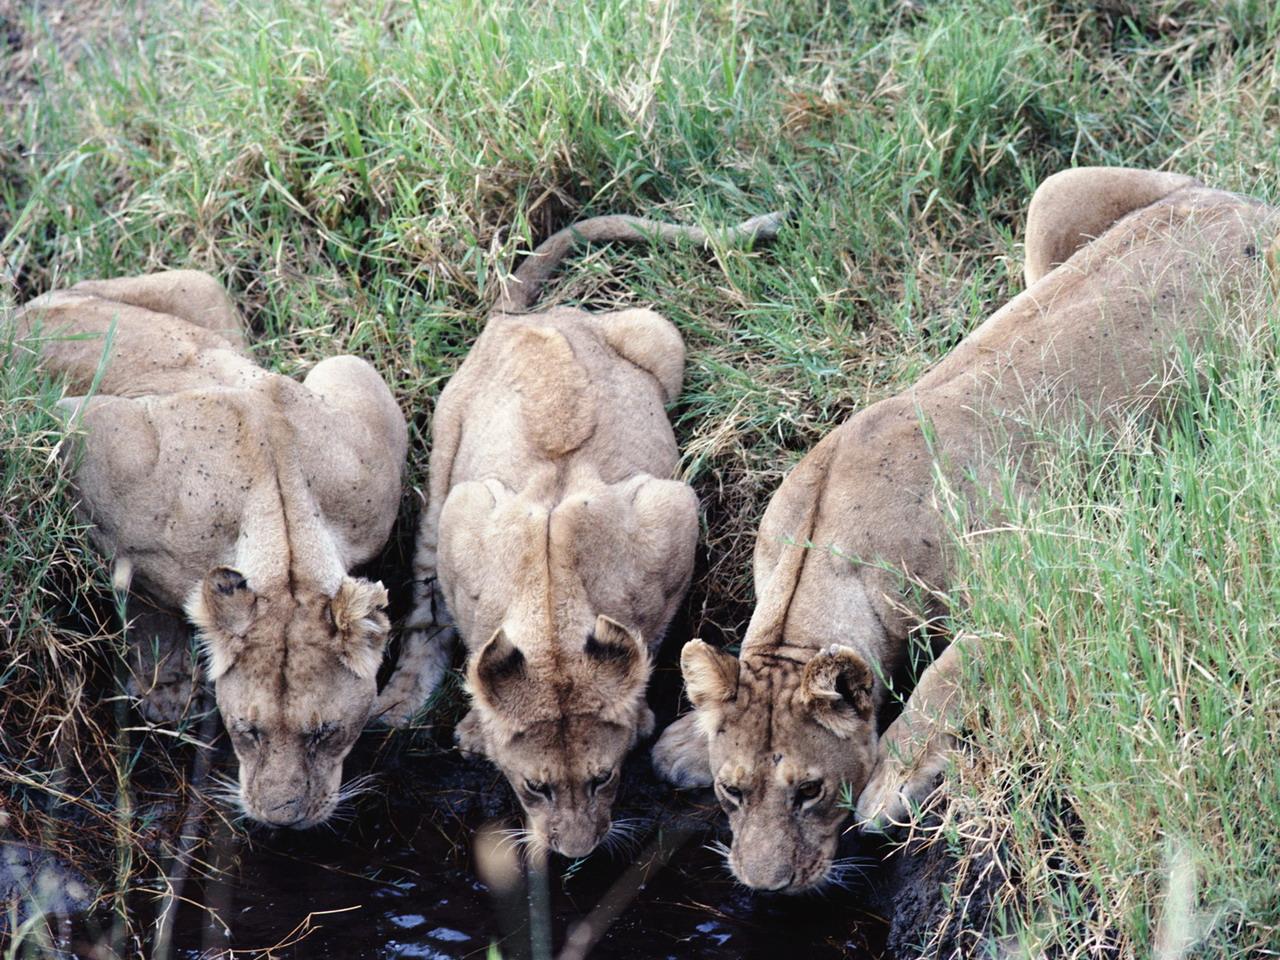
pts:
pixel 555 540
pixel 1121 265
pixel 244 498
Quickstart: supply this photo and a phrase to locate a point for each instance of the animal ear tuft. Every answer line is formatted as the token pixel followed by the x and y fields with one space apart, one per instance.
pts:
pixel 221 608
pixel 620 670
pixel 360 614
pixel 710 676
pixel 613 644
pixel 837 687
pixel 496 673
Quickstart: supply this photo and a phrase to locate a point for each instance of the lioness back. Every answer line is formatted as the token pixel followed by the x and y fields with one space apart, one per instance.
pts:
pixel 549 390
pixel 243 498
pixel 561 547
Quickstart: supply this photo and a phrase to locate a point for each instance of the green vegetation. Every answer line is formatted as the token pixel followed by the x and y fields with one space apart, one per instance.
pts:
pixel 359 174
pixel 1127 716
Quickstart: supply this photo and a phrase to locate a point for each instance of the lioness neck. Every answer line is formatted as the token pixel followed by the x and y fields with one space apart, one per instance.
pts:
pixel 852 514
pixel 283 538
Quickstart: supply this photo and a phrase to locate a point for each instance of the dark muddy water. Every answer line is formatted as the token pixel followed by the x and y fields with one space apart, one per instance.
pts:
pixel 401 880
pixel 401 876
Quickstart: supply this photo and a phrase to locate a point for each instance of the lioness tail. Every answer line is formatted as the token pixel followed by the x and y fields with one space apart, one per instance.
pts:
pixel 520 290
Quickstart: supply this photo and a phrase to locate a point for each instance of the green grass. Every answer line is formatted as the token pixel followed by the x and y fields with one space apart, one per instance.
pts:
pixel 360 174
pixel 1127 717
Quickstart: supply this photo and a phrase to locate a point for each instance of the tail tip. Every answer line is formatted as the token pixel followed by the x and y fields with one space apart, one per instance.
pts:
pixel 766 226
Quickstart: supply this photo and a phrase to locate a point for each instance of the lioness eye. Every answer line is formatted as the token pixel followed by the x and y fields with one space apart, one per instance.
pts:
pixel 542 790
pixel 809 790
pixel 595 783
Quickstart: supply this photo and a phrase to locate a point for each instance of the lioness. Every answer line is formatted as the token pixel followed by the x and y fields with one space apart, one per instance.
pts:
pixel 244 498
pixel 1120 264
pixel 556 540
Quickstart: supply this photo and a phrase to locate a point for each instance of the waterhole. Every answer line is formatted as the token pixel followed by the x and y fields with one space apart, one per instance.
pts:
pixel 401 880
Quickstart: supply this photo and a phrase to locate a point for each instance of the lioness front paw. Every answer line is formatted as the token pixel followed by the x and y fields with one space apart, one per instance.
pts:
pixel 424 661
pixel 163 675
pixel 164 702
pixel 895 791
pixel 396 705
pixel 680 755
pixel 469 735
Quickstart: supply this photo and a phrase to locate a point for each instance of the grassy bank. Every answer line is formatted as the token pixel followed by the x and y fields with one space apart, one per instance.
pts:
pixel 359 175
pixel 1127 716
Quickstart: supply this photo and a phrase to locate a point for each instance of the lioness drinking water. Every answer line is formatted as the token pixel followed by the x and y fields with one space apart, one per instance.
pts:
pixel 556 540
pixel 1121 265
pixel 245 498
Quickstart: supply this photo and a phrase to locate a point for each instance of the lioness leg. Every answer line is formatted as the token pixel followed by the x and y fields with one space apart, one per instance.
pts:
pixel 469 735
pixel 191 295
pixel 162 672
pixel 1073 207
pixel 429 633
pixel 915 748
pixel 680 756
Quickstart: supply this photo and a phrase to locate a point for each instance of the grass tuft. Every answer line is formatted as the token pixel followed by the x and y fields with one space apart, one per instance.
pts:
pixel 1127 714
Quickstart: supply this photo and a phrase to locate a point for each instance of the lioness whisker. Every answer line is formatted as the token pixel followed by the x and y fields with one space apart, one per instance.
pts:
pixel 356 787
pixel 723 851
pixel 519 839
pixel 842 873
pixel 226 792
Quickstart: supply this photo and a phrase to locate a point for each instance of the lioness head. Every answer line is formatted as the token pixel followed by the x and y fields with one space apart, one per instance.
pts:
pixel 789 743
pixel 294 672
pixel 560 727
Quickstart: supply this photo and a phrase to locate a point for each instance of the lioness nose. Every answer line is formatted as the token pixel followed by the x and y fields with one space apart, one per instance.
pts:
pixel 575 844
pixel 285 814
pixel 766 877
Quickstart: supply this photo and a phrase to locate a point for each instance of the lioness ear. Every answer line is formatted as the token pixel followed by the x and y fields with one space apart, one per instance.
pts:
pixel 620 674
pixel 360 614
pixel 710 676
pixel 837 687
pixel 221 608
pixel 495 674
pixel 617 650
